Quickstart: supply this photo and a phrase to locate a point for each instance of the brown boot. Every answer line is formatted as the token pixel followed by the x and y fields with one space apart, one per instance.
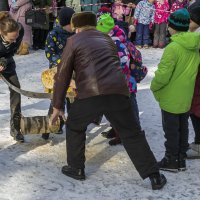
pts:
pixel 23 49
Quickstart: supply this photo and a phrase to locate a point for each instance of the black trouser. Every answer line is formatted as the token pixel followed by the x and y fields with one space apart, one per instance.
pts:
pixel 39 37
pixel 176 131
pixel 117 109
pixel 196 126
pixel 15 105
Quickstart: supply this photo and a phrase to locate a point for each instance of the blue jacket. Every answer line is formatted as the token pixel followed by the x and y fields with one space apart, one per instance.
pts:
pixel 55 43
pixel 144 12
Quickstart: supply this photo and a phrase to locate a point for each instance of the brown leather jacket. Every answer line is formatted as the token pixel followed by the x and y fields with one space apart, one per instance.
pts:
pixel 94 58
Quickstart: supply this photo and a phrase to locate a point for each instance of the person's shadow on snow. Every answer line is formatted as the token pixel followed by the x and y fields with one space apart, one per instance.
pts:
pixel 97 160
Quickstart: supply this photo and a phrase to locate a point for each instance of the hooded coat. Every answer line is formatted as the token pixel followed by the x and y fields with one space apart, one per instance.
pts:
pixel 174 81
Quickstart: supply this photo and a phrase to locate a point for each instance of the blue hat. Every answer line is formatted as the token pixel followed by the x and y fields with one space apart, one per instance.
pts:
pixel 179 20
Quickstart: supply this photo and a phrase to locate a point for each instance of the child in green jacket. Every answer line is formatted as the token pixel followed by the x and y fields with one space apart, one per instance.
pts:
pixel 173 87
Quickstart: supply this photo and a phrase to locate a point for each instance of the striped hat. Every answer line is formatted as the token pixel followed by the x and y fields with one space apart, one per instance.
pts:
pixel 179 20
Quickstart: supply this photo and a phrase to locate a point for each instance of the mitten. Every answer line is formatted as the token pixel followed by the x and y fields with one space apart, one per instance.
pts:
pixel 135 22
pixel 3 62
pixel 150 25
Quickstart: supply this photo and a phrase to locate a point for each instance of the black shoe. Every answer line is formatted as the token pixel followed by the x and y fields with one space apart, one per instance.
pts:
pixel 45 136
pixel 169 164
pixel 115 141
pixel 77 174
pixel 157 181
pixel 19 137
pixel 182 162
pixel 109 134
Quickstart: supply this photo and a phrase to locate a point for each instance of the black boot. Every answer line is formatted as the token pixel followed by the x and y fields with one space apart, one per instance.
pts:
pixel 115 141
pixel 109 134
pixel 19 137
pixel 45 136
pixel 182 162
pixel 77 174
pixel 157 181
pixel 169 163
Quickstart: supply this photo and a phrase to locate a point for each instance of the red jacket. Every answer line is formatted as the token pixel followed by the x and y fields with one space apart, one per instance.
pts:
pixel 195 108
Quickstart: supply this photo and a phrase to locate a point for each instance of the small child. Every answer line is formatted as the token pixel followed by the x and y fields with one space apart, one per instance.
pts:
pixel 160 20
pixel 131 64
pixel 55 43
pixel 144 19
pixel 119 10
pixel 173 87
pixel 179 4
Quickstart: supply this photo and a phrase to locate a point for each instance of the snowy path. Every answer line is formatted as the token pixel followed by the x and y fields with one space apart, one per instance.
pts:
pixel 32 171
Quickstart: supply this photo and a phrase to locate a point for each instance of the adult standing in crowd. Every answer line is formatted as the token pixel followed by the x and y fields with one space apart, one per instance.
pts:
pixel 11 34
pixel 40 34
pixel 101 89
pixel 4 5
pixel 17 11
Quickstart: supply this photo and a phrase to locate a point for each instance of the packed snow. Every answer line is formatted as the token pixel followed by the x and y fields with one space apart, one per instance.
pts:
pixel 32 171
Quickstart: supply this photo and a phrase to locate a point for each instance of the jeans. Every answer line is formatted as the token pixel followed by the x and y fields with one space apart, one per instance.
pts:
pixel 117 109
pixel 176 131
pixel 142 34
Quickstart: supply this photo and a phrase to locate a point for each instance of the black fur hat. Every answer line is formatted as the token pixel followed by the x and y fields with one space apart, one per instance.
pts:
pixel 82 19
pixel 194 11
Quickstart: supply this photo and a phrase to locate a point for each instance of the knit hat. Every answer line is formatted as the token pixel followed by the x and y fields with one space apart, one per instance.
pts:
pixel 103 10
pixel 194 11
pixel 179 20
pixel 106 23
pixel 82 19
pixel 65 15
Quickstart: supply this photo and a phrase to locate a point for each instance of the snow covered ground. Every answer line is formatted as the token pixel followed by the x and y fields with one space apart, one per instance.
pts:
pixel 32 171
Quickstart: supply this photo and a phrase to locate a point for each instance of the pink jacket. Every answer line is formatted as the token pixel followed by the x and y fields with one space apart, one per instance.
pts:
pixel 18 13
pixel 160 14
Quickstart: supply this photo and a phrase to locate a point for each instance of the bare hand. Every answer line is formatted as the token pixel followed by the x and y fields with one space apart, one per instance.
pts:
pixel 56 113
pixel 1 68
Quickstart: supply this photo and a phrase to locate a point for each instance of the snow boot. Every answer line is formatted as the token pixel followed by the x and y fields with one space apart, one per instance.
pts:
pixel 109 134
pixel 169 163
pixel 157 181
pixel 75 173
pixel 193 151
pixel 19 137
pixel 23 49
pixel 182 162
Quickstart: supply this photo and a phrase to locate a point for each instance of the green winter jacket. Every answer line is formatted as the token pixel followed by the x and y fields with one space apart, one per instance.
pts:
pixel 173 84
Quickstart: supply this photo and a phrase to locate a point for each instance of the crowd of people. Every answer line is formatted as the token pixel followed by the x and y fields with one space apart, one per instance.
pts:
pixel 100 52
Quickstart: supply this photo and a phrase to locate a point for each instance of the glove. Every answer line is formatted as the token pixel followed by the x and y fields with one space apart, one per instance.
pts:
pixel 3 63
pixel 150 25
pixel 135 22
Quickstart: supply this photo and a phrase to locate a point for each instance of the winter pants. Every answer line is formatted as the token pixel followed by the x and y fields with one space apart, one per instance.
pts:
pixel 176 131
pixel 160 35
pixel 39 38
pixel 196 126
pixel 117 109
pixel 142 34
pixel 15 104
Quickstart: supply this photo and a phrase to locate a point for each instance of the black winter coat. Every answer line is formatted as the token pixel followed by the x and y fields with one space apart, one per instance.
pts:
pixel 9 52
pixel 4 5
